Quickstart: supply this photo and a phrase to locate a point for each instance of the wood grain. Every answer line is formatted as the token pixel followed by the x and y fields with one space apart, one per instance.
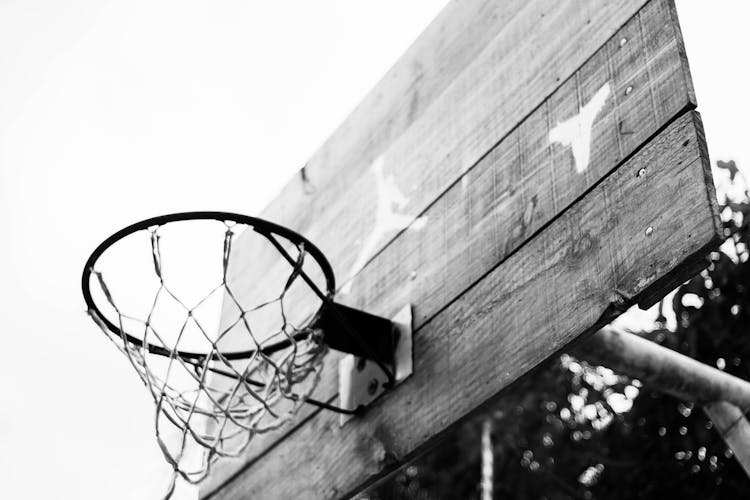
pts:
pixel 564 282
pixel 519 186
pixel 525 181
pixel 650 84
pixel 482 96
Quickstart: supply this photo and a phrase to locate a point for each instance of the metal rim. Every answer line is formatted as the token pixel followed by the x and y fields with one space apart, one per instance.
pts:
pixel 263 227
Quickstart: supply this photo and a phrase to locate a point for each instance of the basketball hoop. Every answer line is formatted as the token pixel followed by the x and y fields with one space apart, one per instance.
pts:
pixel 216 395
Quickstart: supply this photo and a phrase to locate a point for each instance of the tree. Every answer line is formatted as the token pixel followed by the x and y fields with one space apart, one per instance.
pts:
pixel 570 430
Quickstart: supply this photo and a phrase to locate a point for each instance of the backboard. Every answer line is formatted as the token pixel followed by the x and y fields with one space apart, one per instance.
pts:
pixel 524 173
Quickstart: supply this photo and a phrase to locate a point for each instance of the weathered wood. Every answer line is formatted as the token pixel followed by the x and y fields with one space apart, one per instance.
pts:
pixel 520 185
pixel 537 49
pixel 401 96
pixel 730 422
pixel 526 180
pixel 561 283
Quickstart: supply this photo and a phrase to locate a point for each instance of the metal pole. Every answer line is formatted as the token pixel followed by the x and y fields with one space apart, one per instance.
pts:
pixel 725 398
pixel 487 460
pixel 730 422
pixel 665 369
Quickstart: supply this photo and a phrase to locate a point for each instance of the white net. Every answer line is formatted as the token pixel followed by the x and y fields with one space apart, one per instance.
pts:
pixel 210 401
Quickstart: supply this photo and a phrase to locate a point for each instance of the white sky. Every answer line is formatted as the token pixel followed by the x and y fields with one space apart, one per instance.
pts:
pixel 114 111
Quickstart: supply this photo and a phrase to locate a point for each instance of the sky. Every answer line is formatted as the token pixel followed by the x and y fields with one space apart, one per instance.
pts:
pixel 115 111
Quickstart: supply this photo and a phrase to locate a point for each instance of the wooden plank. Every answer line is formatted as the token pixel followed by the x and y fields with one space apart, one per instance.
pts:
pixel 539 46
pixel 520 185
pixel 523 182
pixel 526 180
pixel 421 74
pixel 349 204
pixel 519 314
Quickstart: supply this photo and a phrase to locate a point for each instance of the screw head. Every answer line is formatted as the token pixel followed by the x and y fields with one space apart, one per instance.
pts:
pixel 372 387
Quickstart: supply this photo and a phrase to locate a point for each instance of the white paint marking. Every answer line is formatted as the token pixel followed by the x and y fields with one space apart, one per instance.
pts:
pixel 576 132
pixel 387 219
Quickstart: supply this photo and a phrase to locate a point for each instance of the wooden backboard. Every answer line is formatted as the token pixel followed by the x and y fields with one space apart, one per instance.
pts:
pixel 525 172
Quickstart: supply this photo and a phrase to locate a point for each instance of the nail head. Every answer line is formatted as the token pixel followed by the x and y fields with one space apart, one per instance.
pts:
pixel 372 386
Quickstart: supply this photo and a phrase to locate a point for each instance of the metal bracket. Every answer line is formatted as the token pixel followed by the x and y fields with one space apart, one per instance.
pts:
pixel 361 381
pixel 357 332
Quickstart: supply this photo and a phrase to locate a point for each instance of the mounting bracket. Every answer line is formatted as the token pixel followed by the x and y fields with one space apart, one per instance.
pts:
pixel 362 380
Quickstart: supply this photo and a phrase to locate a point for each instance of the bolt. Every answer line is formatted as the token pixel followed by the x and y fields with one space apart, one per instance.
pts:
pixel 649 231
pixel 628 90
pixel 372 387
pixel 641 172
pixel 623 41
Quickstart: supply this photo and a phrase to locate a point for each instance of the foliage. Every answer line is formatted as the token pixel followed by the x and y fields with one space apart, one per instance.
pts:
pixel 573 431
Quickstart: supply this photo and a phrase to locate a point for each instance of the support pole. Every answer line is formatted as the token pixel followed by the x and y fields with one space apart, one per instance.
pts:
pixel 665 369
pixel 488 459
pixel 725 398
pixel 730 422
